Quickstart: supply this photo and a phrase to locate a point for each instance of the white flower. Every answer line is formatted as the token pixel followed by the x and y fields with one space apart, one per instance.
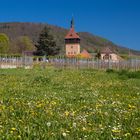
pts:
pixel 64 134
pixel 48 124
pixel 74 124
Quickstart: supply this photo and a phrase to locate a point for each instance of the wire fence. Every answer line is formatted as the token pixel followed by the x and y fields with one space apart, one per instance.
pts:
pixel 15 62
pixel 76 63
pixel 132 64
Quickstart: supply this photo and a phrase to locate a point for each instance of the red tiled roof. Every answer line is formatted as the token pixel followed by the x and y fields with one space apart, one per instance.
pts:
pixel 72 34
pixel 85 54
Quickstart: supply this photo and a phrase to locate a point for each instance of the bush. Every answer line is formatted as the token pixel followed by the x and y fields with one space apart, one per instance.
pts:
pixel 110 71
pixel 135 75
pixel 124 74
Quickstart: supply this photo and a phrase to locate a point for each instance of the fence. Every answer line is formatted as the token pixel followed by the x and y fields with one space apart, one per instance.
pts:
pixel 27 62
pixel 132 64
pixel 15 62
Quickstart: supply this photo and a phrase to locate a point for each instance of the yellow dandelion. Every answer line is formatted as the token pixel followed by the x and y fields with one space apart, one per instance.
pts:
pixel 116 131
pixel 13 129
pixel 19 136
pixel 127 134
pixel 131 106
pixel 39 105
pixel 84 129
pixel 66 113
pixel 11 132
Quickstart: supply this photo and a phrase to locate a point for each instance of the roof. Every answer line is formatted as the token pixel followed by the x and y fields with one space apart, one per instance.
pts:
pixel 107 50
pixel 72 34
pixel 85 54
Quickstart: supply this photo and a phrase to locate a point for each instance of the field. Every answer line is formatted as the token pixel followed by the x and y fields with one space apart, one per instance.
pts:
pixel 55 104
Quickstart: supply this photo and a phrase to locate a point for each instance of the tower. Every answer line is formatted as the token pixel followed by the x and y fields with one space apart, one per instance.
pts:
pixel 72 42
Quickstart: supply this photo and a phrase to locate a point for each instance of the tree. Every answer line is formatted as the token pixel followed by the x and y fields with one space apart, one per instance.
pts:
pixel 46 44
pixel 4 43
pixel 98 54
pixel 24 43
pixel 21 44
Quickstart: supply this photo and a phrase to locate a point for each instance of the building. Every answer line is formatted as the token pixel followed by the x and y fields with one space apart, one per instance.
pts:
pixel 108 54
pixel 85 54
pixel 72 42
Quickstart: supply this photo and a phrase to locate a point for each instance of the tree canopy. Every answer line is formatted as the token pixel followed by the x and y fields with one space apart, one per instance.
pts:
pixel 46 44
pixel 24 43
pixel 4 43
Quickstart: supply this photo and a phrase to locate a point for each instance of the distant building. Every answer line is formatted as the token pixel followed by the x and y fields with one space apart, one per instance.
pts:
pixel 108 54
pixel 85 54
pixel 72 42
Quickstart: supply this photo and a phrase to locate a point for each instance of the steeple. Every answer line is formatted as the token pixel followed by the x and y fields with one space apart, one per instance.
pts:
pixel 72 41
pixel 72 34
pixel 72 23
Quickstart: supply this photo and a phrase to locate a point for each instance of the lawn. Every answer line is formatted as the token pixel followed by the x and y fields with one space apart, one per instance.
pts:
pixel 55 104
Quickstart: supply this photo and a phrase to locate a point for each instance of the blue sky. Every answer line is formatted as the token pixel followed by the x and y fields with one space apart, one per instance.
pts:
pixel 117 20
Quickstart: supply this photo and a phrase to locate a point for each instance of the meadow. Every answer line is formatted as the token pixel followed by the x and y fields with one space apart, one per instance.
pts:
pixel 55 104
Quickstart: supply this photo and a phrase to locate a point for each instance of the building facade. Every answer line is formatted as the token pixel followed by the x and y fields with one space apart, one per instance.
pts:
pixel 108 54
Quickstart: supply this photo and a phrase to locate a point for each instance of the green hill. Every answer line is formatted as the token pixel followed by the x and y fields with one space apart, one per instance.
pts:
pixel 32 30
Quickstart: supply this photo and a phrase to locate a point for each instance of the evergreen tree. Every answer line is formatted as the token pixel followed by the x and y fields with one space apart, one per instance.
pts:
pixel 98 54
pixel 46 44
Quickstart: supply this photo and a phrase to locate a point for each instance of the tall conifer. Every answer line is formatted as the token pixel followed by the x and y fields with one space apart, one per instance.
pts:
pixel 46 44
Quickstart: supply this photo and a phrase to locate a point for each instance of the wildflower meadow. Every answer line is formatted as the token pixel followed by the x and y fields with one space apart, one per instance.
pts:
pixel 66 104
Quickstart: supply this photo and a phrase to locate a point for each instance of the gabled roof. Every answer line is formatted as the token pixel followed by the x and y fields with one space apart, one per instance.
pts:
pixel 107 50
pixel 85 54
pixel 72 34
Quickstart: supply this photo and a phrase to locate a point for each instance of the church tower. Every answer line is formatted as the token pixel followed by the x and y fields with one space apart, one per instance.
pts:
pixel 72 42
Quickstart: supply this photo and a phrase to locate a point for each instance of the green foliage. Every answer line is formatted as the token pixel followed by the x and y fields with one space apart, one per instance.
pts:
pixel 67 104
pixel 129 74
pixel 4 43
pixel 24 43
pixel 110 71
pixel 46 44
pixel 125 74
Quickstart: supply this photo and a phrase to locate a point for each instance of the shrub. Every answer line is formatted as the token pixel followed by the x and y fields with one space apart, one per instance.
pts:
pixel 110 71
pixel 124 74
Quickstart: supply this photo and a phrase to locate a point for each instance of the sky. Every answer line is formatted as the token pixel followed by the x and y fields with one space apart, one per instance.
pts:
pixel 116 20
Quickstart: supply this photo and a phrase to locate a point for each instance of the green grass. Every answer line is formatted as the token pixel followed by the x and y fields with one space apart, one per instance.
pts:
pixel 55 104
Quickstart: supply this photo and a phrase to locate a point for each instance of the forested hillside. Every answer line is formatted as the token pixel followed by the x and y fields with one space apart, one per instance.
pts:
pixel 17 32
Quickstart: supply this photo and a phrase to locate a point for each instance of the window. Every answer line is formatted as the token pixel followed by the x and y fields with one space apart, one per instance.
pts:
pixel 71 47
